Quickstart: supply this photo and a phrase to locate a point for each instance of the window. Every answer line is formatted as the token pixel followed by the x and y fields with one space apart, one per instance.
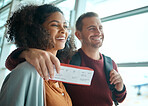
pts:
pixel 66 6
pixel 3 18
pixel 4 2
pixel 126 39
pixel 110 7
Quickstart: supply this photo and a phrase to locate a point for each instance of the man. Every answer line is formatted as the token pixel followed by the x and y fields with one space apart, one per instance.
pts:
pixel 89 31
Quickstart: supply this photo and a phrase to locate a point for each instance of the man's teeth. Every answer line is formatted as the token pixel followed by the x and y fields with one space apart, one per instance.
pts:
pixel 97 39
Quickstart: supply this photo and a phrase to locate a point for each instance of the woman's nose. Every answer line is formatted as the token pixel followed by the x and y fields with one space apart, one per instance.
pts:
pixel 62 30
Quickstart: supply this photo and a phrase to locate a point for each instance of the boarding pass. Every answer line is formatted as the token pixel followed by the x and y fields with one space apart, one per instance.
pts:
pixel 74 75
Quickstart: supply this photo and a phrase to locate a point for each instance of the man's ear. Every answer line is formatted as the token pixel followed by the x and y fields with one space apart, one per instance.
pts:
pixel 78 34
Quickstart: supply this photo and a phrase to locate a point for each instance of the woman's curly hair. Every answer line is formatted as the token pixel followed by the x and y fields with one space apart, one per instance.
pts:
pixel 26 30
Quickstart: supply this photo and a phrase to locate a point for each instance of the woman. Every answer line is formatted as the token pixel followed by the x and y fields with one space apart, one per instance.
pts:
pixel 42 27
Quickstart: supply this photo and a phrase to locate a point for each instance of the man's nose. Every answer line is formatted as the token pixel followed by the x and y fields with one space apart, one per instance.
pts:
pixel 98 31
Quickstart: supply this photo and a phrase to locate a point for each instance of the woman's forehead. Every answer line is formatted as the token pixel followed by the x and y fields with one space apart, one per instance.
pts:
pixel 57 16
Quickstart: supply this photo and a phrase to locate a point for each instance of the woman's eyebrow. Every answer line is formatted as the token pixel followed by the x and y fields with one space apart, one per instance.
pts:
pixel 56 21
pixel 53 21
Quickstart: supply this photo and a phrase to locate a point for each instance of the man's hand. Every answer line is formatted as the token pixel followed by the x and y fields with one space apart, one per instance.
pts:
pixel 43 61
pixel 116 79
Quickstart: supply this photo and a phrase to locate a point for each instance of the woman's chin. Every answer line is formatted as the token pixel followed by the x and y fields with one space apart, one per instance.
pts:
pixel 60 48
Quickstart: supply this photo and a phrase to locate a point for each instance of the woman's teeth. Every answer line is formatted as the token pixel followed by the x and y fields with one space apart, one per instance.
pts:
pixel 60 38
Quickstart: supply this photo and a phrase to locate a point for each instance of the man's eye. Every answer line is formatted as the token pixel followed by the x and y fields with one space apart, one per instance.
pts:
pixel 92 29
pixel 65 27
pixel 101 28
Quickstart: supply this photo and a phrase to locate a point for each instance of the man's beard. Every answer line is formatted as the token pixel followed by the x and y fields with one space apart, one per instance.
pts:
pixel 96 45
pixel 89 44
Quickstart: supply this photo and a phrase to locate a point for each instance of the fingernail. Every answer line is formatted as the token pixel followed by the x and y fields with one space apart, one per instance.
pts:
pixel 46 78
pixel 42 76
pixel 51 77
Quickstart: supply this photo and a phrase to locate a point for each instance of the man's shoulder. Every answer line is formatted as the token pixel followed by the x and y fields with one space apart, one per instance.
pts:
pixel 107 56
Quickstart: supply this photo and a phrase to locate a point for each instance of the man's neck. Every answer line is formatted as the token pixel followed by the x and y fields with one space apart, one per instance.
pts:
pixel 91 52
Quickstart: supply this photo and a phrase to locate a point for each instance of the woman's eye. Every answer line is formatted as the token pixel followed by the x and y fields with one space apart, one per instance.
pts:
pixel 54 25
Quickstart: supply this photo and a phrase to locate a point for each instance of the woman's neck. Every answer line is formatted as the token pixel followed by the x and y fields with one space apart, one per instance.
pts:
pixel 54 52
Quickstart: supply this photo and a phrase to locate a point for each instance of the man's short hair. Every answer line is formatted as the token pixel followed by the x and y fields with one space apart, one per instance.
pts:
pixel 79 23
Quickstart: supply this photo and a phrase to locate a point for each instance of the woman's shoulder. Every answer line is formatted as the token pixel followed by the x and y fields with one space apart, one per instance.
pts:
pixel 24 66
pixel 25 69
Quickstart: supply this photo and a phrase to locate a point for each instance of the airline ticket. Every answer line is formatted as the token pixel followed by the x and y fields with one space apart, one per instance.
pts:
pixel 74 75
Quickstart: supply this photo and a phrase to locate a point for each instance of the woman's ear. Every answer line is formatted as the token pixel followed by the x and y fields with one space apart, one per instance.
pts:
pixel 78 34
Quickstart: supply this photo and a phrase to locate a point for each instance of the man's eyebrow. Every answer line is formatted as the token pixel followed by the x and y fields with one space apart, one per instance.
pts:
pixel 91 26
pixel 55 21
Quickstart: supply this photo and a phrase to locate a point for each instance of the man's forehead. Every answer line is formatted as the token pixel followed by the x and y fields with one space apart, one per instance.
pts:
pixel 91 21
